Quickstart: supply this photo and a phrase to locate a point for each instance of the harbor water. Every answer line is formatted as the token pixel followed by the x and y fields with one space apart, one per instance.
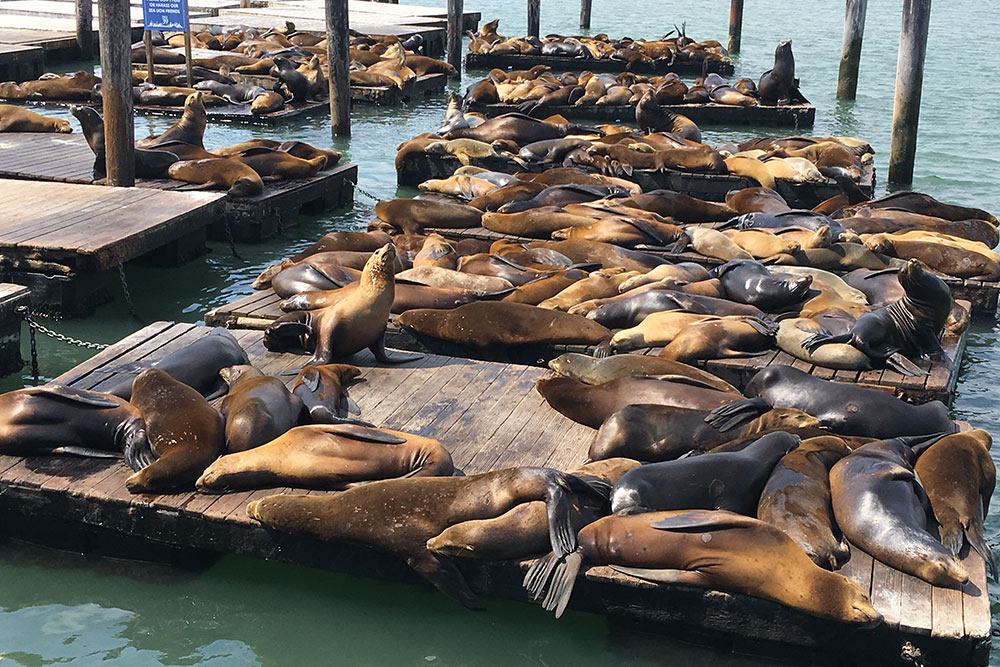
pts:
pixel 65 608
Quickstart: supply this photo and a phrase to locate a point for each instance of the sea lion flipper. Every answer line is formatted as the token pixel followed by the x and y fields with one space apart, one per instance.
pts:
pixel 731 415
pixel 86 451
pixel 701 519
pixel 378 349
pixel 557 507
pixel 974 535
pixel 683 577
pixel 603 350
pixel 349 405
pixel 367 433
pixel 446 577
pixel 901 364
pixel 74 395
pixel 684 379
pixel 550 580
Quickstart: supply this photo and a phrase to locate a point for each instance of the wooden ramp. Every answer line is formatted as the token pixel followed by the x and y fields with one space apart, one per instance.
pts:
pixel 67 158
pixel 258 310
pixel 489 417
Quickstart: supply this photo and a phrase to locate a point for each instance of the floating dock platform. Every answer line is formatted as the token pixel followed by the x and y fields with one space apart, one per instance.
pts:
pixel 258 310
pixel 489 417
pixel 64 240
pixel 793 115
pixel 21 63
pixel 67 158
pixel 12 297
pixel 416 90
pixel 488 61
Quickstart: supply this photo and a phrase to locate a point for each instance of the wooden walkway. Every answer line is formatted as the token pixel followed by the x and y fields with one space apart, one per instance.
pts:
pixel 794 116
pixel 67 158
pixel 489 417
pixel 258 310
pixel 488 61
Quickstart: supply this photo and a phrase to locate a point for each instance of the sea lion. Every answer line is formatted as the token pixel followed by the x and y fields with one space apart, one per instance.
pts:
pixel 436 276
pixel 777 85
pixel 838 257
pixel 306 278
pixel 188 129
pixel 661 328
pixel 949 255
pixel 196 365
pixel 323 392
pixel 796 499
pixel 879 287
pixel 257 409
pixel 57 419
pixel 591 405
pixel 590 370
pixel 679 206
pixel 301 149
pixel 608 255
pixel 517 127
pixel 291 82
pixel 535 222
pixel 958 475
pixel 785 218
pixel 793 333
pixel 762 243
pixel 756 200
pixel 707 549
pixel 353 324
pixel 925 205
pixel 280 165
pixel 16 119
pixel 328 456
pixel 537 291
pixel 239 179
pixel 750 282
pixel 624 231
pixel 406 297
pixel 266 102
pixel 358 241
pixel 420 508
pixel 881 506
pixel 185 432
pixel 412 215
pixel 148 163
pixel 728 481
pixel 663 433
pixel 715 244
pixel 596 285
pixel 651 117
pixel 844 409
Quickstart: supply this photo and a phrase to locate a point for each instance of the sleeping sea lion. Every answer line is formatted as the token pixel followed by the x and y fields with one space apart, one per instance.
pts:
pixel 280 165
pixel 323 391
pixel 257 409
pixel 17 119
pixel 591 370
pixel 750 282
pixel 239 179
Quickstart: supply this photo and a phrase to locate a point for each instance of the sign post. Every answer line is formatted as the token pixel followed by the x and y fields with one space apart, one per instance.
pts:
pixel 171 15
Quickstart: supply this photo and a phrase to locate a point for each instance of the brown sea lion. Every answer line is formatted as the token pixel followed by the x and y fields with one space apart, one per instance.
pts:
pixel 435 276
pixel 16 119
pixel 708 549
pixel 756 200
pixel 761 243
pixel 591 370
pixel 959 258
pixel 323 391
pixel 406 297
pixel 436 251
pixel 537 291
pixel 188 129
pixel 257 409
pixel 926 205
pixel 537 222
pixel 77 87
pixel 596 285
pixel 239 179
pixel 608 255
pixel 185 432
pixel 358 241
pixel 679 206
pixel 280 165
pixel 267 102
pixel 306 151
pixel 624 231
pixel 412 215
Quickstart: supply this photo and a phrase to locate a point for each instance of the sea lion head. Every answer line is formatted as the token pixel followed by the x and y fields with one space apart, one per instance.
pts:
pixel 572 365
pixel 234 374
pixel 923 288
pixel 848 602
pixel 380 269
pixel 195 103
pixel 263 281
pixel 788 418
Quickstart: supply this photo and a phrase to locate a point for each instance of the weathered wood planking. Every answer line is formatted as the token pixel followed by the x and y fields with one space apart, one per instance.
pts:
pixel 793 115
pixel 486 61
pixel 67 158
pixel 489 417
pixel 21 63
pixel 258 310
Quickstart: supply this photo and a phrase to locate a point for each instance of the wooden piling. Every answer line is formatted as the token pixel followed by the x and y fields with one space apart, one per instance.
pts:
pixel 850 52
pixel 585 6
pixel 337 39
pixel 187 57
pixel 909 80
pixel 456 12
pixel 735 25
pixel 534 17
pixel 85 28
pixel 147 39
pixel 116 91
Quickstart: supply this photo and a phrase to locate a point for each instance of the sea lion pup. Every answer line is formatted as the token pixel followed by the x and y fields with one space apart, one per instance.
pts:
pixel 881 506
pixel 591 405
pixel 726 480
pixel 418 509
pixel 750 282
pixel 185 432
pixel 16 119
pixel 708 549
pixel 495 326
pixel 328 456
pixel 351 325
pixel 57 419
pixel 911 326
pixel 257 409
pixel 239 179
pixel 412 215
pixel 959 477
pixel 188 129
pixel 523 531
pixel 664 433
pixel 591 370
pixel 323 391
pixel 796 499
pixel 197 365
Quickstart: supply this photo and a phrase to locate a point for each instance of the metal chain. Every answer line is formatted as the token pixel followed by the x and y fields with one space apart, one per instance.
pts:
pixel 232 242
pixel 35 325
pixel 34 351
pixel 364 192
pixel 125 290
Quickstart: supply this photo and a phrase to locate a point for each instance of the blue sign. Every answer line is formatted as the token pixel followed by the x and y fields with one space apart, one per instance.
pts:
pixel 165 14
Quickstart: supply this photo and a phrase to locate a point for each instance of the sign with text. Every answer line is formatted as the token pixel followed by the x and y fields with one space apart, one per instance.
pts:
pixel 165 14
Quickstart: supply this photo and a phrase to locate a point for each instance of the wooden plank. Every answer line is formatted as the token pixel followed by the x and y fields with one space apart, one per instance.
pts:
pixel 915 605
pixel 886 592
pixel 947 617
pixel 976 599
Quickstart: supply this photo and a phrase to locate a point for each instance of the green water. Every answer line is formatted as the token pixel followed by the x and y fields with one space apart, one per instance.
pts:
pixel 62 608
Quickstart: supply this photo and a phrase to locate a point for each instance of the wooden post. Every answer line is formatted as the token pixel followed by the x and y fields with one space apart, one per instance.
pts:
pixel 456 11
pixel 147 38
pixel 585 14
pixel 116 89
pixel 187 56
pixel 85 28
pixel 534 13
pixel 337 39
pixel 909 80
pixel 850 52
pixel 735 25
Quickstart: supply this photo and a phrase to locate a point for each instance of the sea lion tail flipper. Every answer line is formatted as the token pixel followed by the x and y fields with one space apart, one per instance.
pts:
pixel 550 580
pixel 73 395
pixel 446 577
pixel 86 451
pixel 899 363
pixel 731 415
pixel 590 484
pixel 378 349
pixel 603 350
pixel 765 327
pixel 974 535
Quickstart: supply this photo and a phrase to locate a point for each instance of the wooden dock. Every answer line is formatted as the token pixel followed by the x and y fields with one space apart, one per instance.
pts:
pixel 21 63
pixel 419 167
pixel 64 240
pixel 258 310
pixel 794 115
pixel 67 158
pixel 488 61
pixel 11 298
pixel 489 417
pixel 414 91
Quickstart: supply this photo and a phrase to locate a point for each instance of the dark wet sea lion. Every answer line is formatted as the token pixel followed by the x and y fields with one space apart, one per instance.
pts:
pixel 844 409
pixel 517 127
pixel 777 85
pixel 56 419
pixel 239 179
pixel 708 549
pixel 750 282
pixel 879 287
pixel 881 506
pixel 628 310
pixel 292 82
pixel 787 218
pixel 959 477
pixel 651 117
pixel 306 278
pixel 257 409
pixel 323 391
pixel 328 456
pixel 591 370
pixel 188 129
pixel 196 365
pixel 561 195
pixel 148 163
pixel 591 405
pixel 729 481
pixel 796 499
pixel 185 432
pixel 419 509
